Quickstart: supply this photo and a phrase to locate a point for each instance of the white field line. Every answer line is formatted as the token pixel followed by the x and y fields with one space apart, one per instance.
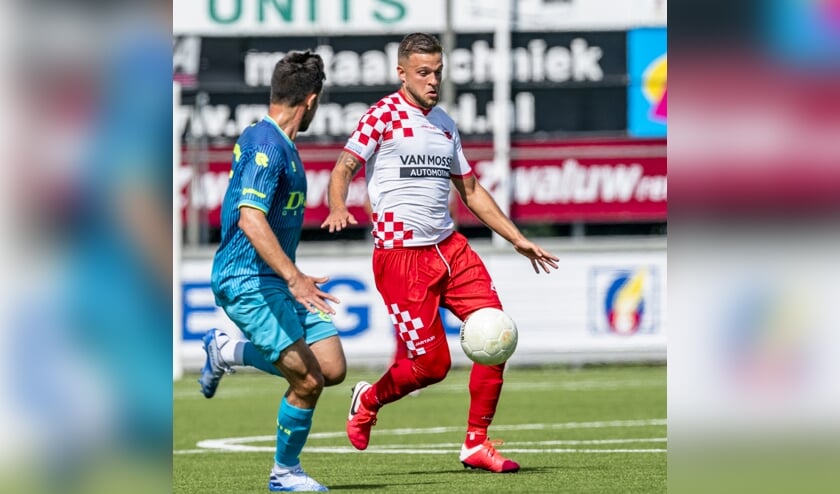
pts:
pixel 588 385
pixel 374 450
pixel 507 444
pixel 350 449
pixel 452 388
pixel 517 427
pixel 244 444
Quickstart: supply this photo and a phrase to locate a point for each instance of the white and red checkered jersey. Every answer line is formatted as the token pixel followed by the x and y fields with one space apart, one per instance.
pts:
pixel 409 155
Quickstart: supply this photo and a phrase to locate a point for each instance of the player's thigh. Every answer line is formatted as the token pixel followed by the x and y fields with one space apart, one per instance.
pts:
pixel 410 282
pixel 409 275
pixel 268 318
pixel 321 335
pixel 470 286
pixel 330 356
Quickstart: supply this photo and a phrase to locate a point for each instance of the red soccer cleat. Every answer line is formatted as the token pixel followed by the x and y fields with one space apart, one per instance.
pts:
pixel 485 457
pixel 360 419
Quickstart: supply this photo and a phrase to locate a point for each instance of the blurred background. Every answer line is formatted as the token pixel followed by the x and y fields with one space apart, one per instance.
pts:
pixel 753 346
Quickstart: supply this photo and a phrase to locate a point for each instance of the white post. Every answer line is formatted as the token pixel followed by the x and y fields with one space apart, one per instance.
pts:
pixel 501 112
pixel 177 234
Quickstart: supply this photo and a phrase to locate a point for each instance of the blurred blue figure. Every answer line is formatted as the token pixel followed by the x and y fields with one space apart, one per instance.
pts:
pixel 120 291
pixel 804 33
pixel 96 348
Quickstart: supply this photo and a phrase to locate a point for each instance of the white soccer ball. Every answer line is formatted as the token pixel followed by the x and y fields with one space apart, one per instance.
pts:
pixel 489 336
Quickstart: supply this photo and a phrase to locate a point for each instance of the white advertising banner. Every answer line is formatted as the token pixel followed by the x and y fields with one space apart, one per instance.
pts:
pixel 313 17
pixel 304 17
pixel 599 306
pixel 561 15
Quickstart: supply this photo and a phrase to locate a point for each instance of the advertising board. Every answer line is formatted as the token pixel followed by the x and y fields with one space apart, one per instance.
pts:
pixel 305 17
pixel 600 305
pixel 647 93
pixel 606 180
pixel 560 82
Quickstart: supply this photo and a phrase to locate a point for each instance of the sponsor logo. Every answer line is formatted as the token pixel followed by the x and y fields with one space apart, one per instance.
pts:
pixel 655 88
pixel 426 159
pixel 768 333
pixel 414 172
pixel 536 62
pixel 340 120
pixel 261 159
pixel 623 302
pixel 436 166
pixel 573 183
pixel 294 204
pixel 352 318
pixel 647 93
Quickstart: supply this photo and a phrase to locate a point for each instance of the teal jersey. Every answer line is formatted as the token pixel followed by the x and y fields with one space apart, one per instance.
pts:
pixel 266 174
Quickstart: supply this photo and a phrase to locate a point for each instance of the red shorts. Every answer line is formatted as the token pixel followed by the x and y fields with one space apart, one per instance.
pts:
pixel 415 281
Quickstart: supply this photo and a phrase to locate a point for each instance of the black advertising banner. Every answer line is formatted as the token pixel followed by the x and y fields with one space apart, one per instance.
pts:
pixel 562 83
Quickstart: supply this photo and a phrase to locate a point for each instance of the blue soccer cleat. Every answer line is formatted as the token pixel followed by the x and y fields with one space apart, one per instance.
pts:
pixel 293 480
pixel 214 367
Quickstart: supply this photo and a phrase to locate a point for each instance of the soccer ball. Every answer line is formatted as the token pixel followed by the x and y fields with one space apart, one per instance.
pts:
pixel 489 336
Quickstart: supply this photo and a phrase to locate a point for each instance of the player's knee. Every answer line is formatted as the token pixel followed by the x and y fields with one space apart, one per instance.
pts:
pixel 334 375
pixel 432 367
pixel 310 387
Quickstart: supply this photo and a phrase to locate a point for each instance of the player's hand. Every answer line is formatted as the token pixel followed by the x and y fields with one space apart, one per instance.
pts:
pixel 305 290
pixel 338 220
pixel 539 257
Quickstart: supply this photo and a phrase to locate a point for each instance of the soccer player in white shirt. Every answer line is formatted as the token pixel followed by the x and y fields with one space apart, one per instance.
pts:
pixel 411 151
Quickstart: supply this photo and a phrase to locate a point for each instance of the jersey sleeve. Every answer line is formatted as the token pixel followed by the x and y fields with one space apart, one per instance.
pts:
pixel 365 140
pixel 460 166
pixel 260 171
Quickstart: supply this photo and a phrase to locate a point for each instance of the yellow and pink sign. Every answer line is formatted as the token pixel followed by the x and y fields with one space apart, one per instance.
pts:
pixel 647 91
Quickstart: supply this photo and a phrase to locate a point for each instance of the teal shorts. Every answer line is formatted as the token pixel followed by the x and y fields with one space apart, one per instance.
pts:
pixel 272 320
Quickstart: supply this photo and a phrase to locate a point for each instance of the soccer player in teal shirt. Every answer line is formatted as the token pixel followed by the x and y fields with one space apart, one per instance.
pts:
pixel 282 311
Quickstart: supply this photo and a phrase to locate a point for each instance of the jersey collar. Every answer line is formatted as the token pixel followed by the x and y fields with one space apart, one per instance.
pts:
pixel 272 122
pixel 409 103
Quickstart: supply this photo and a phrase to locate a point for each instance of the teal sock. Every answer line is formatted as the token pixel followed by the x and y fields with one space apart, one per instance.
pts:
pixel 293 426
pixel 252 357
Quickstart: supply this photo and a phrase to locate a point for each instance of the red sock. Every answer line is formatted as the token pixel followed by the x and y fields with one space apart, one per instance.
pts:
pixel 397 382
pixel 370 401
pixel 475 437
pixel 485 389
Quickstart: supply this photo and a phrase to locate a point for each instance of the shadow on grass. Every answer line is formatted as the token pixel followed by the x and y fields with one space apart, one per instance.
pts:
pixel 367 487
pixel 475 471
pixel 358 487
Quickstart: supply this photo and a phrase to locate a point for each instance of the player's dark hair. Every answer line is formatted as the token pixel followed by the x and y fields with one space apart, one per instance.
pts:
pixel 418 43
pixel 296 76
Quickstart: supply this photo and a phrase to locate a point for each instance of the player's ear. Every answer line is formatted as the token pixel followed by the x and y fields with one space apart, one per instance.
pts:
pixel 401 73
pixel 311 100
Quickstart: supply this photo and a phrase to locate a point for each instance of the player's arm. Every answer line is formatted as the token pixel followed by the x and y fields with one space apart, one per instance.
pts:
pixel 254 225
pixel 484 207
pixel 345 169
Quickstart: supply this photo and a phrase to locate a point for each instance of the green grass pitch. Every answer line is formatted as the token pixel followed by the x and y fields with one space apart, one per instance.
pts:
pixel 586 430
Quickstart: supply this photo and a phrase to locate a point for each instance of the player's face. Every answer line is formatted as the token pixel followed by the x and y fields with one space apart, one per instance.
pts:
pixel 308 115
pixel 421 76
